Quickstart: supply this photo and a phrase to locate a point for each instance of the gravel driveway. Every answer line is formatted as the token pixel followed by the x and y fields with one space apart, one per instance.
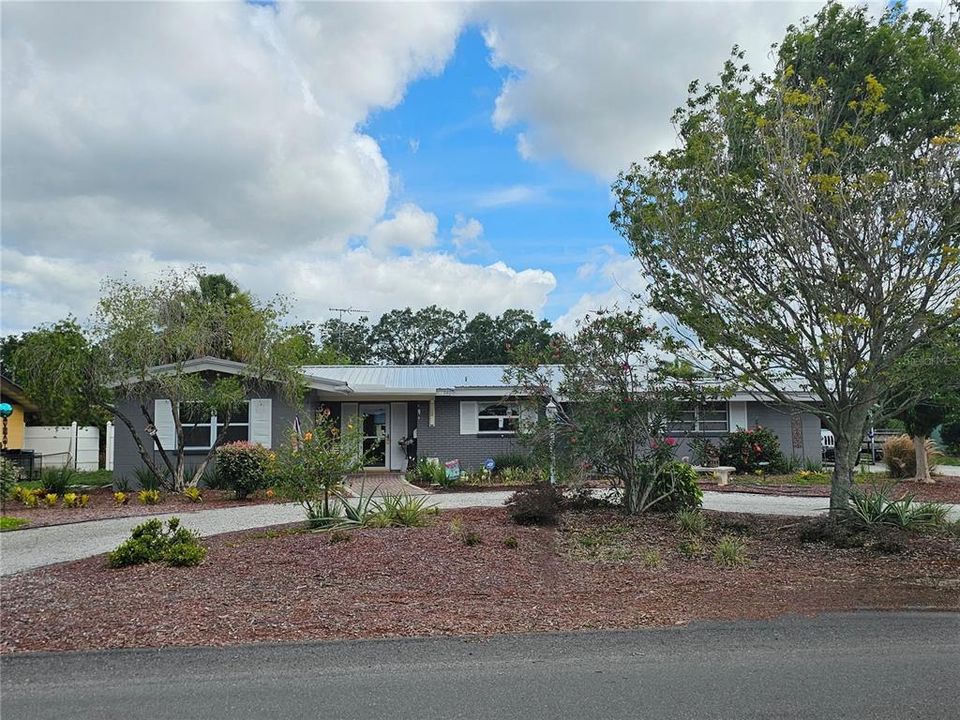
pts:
pixel 34 547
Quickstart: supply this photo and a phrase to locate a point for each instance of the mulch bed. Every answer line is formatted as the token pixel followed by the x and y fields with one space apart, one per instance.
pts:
pixel 102 507
pixel 946 489
pixel 591 572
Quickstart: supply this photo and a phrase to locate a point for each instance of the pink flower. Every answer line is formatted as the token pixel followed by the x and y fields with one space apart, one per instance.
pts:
pixel 671 441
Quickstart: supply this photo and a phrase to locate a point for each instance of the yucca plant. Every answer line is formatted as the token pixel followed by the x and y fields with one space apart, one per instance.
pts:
pixel 355 514
pixel 405 510
pixel 868 510
pixel 55 481
pixel 146 479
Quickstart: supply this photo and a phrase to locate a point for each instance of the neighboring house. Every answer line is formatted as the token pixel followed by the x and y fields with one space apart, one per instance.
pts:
pixel 463 412
pixel 23 408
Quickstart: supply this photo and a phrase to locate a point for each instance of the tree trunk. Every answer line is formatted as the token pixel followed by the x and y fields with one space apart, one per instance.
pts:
pixel 846 453
pixel 920 451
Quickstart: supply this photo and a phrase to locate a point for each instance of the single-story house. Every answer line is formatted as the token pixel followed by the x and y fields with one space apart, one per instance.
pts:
pixel 463 412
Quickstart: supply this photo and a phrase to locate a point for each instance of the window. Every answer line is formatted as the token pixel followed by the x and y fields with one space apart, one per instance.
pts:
pixel 497 417
pixel 201 430
pixel 708 417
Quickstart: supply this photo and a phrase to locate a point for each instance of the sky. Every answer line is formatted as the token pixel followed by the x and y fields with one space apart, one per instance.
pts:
pixel 345 154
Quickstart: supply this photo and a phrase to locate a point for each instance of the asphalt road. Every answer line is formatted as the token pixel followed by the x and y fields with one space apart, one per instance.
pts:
pixel 863 665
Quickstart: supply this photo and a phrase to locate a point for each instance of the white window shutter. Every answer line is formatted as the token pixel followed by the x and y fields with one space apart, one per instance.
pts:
pixel 348 411
pixel 163 422
pixel 468 418
pixel 261 422
pixel 738 415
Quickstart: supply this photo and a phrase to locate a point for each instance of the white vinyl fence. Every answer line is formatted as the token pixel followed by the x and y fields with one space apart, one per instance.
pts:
pixel 65 445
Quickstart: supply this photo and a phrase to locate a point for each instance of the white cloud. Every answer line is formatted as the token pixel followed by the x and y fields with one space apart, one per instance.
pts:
pixel 362 279
pixel 512 195
pixel 467 236
pixel 410 227
pixel 142 135
pixel 596 83
pixel 618 279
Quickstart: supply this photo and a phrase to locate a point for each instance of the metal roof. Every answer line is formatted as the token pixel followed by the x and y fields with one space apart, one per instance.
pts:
pixel 428 378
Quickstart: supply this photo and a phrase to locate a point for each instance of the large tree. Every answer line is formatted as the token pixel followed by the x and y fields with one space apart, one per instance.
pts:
pixel 417 337
pixel 348 340
pixel 138 328
pixel 488 340
pixel 927 393
pixel 805 228
pixel 616 396
pixel 49 363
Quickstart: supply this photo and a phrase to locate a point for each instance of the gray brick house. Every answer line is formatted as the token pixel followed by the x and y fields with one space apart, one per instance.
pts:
pixel 463 412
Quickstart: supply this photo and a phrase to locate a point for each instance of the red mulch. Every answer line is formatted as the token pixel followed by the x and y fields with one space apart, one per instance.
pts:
pixel 102 507
pixel 260 586
pixel 945 489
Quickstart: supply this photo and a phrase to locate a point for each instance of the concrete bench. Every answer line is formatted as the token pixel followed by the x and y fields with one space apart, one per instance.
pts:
pixel 721 473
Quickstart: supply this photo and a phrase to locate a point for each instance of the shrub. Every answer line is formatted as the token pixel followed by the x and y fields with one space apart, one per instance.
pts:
pixel 121 484
pixel 950 434
pixel 27 496
pixel 730 551
pixel 431 473
pixel 511 542
pixel 182 554
pixel 121 498
pixel 243 467
pixel 193 494
pixel 311 467
pixel 539 504
pixel 74 500
pixel 520 476
pixel 691 522
pixel 148 497
pixel 678 482
pixel 704 452
pixel 752 450
pixel 9 476
pixel 51 499
pixel 150 542
pixel 900 456
pixel 55 481
pixel 511 461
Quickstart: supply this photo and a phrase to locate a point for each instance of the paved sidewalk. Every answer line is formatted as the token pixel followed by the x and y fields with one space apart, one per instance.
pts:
pixel 25 549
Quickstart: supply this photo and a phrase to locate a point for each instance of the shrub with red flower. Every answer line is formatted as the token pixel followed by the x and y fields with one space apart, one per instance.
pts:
pixel 751 450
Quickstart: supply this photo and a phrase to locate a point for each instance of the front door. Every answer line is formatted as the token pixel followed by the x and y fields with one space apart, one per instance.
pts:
pixel 375 420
